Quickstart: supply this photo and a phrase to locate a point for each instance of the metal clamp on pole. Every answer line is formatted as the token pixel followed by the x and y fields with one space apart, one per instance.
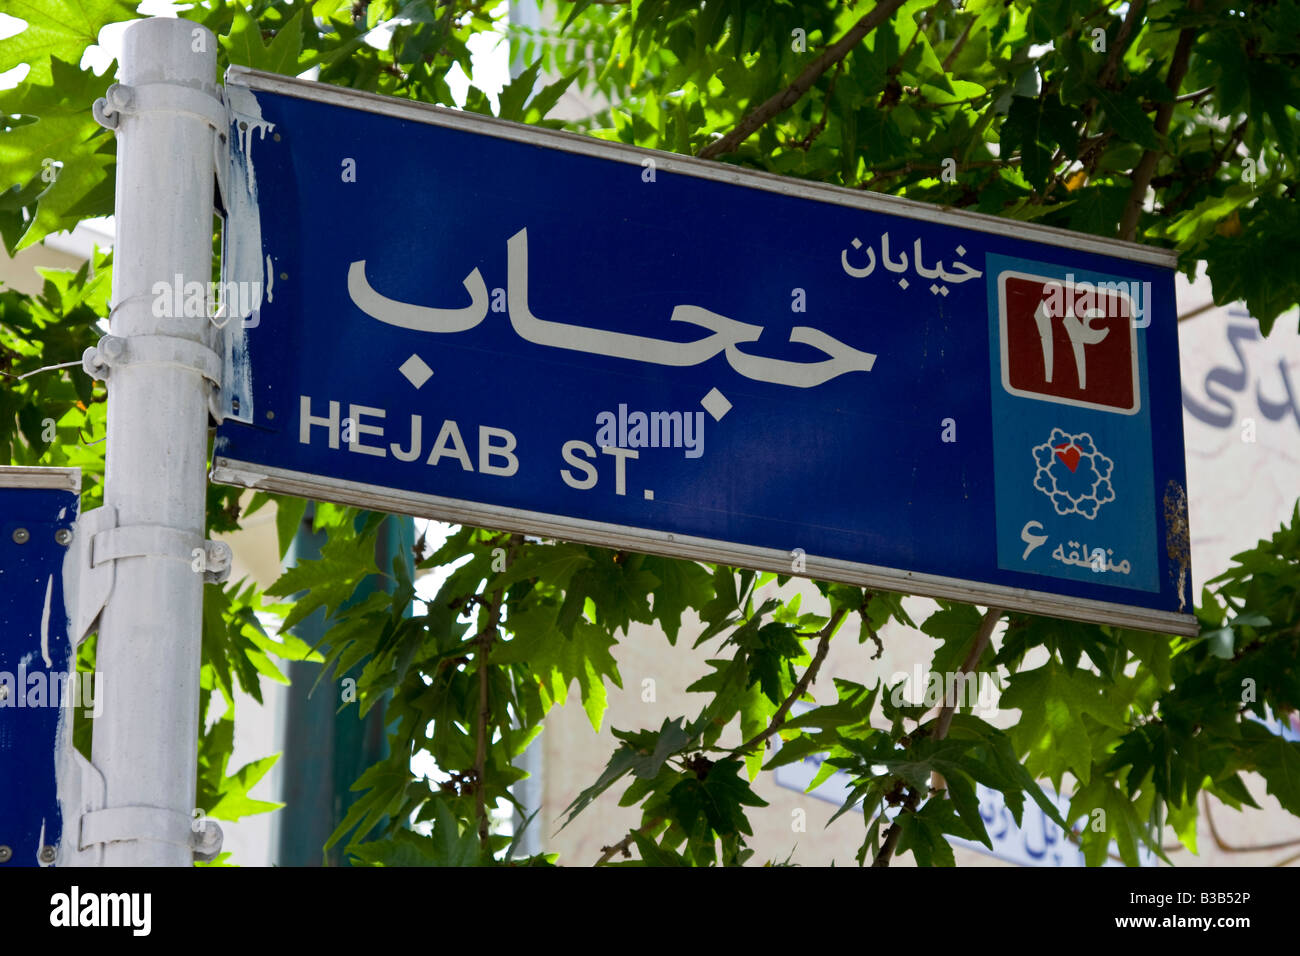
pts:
pixel 159 98
pixel 169 350
pixel 172 351
pixel 202 837
pixel 212 558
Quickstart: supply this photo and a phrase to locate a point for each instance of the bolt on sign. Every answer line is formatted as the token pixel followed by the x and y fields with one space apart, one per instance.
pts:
pixel 491 323
pixel 38 687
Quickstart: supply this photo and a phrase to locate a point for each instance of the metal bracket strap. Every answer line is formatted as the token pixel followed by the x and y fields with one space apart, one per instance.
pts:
pixel 93 585
pixel 137 312
pixel 121 99
pixel 100 542
pixel 136 541
pixel 123 824
pixel 115 351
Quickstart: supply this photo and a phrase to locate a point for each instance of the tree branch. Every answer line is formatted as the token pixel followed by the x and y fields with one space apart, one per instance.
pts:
pixel 910 167
pixel 1146 166
pixel 1207 174
pixel 806 143
pixel 978 646
pixel 778 719
pixel 484 640
pixel 1108 71
pixel 982 638
pixel 1194 97
pixel 624 845
pixel 782 101
pixel 894 832
pixel 956 47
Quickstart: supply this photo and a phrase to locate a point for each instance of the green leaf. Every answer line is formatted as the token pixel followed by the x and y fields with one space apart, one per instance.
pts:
pixel 288 520
pixel 57 28
pixel 717 797
pixel 1117 820
pixel 557 661
pixel 1127 117
pixel 58 152
pixel 620 763
pixel 923 832
pixel 448 845
pixel 1278 762
pixel 1241 267
pixel 517 91
pixel 329 581
pixel 961 791
pixel 384 785
pixel 1199 221
pixel 652 854
pixel 773 649
pixel 234 802
pixel 682 585
pixel 244 44
pixel 1053 703
pixel 553 565
pixel 619 588
pixel 1022 130
pixel 756 711
pixel 225 796
pixel 955 625
pixel 1183 821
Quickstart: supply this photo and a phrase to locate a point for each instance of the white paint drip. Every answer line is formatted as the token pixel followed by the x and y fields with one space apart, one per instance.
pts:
pixel 80 786
pixel 244 105
pixel 244 260
pixel 45 623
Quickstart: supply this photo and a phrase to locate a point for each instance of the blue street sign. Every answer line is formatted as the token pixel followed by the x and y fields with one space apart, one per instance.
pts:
pixel 441 314
pixel 38 514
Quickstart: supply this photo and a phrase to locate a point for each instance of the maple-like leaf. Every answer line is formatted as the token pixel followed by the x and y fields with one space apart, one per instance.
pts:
pixel 1053 702
pixel 61 28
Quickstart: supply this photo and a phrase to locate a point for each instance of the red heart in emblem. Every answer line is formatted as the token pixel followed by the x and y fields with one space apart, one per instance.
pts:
pixel 1068 453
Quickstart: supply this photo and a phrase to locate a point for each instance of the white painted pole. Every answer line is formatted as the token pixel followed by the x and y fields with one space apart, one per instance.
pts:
pixel 149 636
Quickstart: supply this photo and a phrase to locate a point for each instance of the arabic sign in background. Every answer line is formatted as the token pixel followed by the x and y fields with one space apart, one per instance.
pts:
pixel 517 325
pixel 1241 402
pixel 1035 841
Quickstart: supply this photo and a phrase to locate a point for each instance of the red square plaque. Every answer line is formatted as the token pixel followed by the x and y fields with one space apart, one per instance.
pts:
pixel 1069 341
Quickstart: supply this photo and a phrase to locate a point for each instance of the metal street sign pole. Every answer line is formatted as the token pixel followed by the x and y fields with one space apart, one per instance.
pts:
pixel 160 370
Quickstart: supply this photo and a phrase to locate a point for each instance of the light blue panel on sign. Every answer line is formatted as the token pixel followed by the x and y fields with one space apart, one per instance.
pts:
pixel 1073 489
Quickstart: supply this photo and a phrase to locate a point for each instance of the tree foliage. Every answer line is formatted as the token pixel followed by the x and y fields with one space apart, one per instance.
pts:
pixel 1169 123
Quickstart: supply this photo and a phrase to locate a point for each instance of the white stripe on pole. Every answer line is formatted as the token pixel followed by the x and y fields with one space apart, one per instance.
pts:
pixel 145 740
